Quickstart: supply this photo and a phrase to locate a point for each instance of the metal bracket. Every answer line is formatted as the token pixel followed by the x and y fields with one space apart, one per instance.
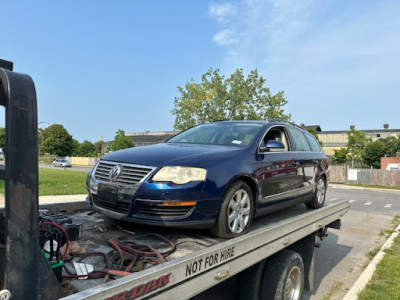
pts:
pixel 23 268
pixel 5 64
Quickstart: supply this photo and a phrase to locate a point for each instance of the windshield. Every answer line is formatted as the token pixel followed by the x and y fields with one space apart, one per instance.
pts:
pixel 234 134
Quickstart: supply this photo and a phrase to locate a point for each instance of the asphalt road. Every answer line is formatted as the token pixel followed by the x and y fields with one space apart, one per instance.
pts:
pixel 343 255
pixel 73 168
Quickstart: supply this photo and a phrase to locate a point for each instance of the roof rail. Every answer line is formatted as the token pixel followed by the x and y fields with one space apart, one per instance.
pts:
pixel 285 121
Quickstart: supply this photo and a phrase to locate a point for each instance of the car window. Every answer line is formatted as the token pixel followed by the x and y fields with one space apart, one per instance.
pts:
pixel 315 146
pixel 277 134
pixel 299 140
pixel 233 134
pixel 197 135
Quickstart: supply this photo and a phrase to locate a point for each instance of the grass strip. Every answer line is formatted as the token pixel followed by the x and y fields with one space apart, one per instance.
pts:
pixel 58 182
pixel 385 283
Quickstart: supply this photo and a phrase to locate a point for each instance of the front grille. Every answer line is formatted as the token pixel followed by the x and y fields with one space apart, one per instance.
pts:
pixel 130 174
pixel 163 211
pixel 120 207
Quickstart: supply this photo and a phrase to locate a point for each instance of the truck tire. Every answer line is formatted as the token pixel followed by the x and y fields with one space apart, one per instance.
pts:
pixel 236 211
pixel 318 199
pixel 283 277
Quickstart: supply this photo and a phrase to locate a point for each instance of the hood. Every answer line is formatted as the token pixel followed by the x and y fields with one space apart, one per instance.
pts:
pixel 171 154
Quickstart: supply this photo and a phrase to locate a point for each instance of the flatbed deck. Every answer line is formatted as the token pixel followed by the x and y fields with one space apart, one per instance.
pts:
pixel 200 260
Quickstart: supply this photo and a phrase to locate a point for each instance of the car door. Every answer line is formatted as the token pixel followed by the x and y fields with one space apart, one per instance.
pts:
pixel 276 171
pixel 306 164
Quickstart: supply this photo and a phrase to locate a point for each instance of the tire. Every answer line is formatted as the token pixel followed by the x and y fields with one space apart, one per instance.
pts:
pixel 236 211
pixel 283 277
pixel 318 199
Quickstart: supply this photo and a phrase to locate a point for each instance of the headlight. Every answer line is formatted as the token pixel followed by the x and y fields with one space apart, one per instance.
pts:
pixel 180 175
pixel 91 183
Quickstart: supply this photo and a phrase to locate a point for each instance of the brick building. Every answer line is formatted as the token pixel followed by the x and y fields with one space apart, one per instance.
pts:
pixel 391 163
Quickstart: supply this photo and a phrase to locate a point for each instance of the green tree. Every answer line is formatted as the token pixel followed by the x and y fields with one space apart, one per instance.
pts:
pixel 356 141
pixel 340 155
pixel 373 152
pixel 40 140
pixel 235 98
pixel 75 146
pixel 2 137
pixel 86 148
pixel 392 145
pixel 56 140
pixel 315 134
pixel 121 141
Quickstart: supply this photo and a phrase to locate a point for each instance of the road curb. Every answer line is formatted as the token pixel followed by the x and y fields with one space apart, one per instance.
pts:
pixel 366 276
pixel 365 188
pixel 52 200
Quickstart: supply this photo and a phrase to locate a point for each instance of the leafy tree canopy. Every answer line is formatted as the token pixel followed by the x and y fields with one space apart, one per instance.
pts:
pixel 361 148
pixel 340 155
pixel 121 141
pixel 235 98
pixel 392 145
pixel 356 141
pixel 373 152
pixel 75 146
pixel 2 137
pixel 315 134
pixel 56 140
pixel 86 149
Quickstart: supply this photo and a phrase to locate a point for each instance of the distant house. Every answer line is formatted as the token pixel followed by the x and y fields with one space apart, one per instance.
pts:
pixel 317 128
pixel 334 140
pixel 146 138
pixel 391 163
pixel 150 138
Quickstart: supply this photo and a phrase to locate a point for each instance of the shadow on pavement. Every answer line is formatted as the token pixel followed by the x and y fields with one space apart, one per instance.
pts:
pixel 328 256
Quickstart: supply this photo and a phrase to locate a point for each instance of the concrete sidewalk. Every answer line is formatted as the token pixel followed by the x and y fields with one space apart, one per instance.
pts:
pixel 54 199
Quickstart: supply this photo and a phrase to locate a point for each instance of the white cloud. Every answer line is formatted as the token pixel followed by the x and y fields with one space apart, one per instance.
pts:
pixel 345 53
pixel 222 12
pixel 226 37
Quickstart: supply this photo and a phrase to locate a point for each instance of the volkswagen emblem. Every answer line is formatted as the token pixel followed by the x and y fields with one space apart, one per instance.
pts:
pixel 115 172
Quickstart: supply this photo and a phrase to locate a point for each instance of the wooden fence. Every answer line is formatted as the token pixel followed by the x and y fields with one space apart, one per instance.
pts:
pixel 343 174
pixel 83 161
pixel 338 174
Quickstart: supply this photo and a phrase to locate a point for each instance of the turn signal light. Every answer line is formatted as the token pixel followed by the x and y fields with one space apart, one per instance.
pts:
pixel 185 203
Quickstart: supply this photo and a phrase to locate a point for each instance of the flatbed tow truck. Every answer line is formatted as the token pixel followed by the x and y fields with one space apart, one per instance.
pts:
pixel 274 259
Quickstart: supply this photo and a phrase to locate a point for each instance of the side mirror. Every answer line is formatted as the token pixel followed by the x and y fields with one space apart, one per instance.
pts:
pixel 272 144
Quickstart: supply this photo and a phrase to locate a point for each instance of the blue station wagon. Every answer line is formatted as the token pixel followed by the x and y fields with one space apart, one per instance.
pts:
pixel 216 175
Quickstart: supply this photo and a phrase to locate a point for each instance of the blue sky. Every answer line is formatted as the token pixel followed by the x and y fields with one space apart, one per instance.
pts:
pixel 100 66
